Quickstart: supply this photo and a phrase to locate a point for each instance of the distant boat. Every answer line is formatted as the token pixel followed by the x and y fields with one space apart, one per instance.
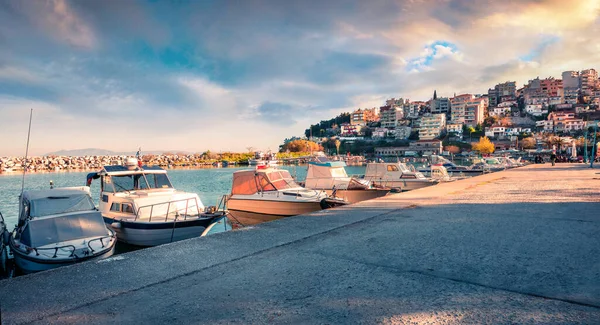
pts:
pixel 141 205
pixel 262 159
pixel 59 227
pixel 266 194
pixel 452 168
pixel 331 177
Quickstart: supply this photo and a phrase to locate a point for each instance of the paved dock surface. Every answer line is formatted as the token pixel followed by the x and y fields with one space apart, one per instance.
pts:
pixel 519 246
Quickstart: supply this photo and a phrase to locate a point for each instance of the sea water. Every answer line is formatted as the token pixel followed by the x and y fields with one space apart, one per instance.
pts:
pixel 210 184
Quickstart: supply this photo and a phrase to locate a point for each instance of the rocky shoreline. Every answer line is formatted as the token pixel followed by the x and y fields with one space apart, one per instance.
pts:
pixel 69 163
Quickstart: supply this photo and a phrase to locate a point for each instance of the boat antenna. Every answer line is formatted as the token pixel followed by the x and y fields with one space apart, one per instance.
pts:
pixel 26 153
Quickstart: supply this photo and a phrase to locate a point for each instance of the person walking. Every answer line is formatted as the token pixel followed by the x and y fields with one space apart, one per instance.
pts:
pixel 553 158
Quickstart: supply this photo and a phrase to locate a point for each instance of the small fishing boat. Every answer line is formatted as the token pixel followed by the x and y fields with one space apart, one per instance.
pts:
pixel 397 176
pixel 266 194
pixel 141 205
pixel 59 227
pixel 331 177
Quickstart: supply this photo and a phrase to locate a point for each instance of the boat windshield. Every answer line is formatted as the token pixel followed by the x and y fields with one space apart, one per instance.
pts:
pixel 41 232
pixel 281 180
pixel 404 168
pixel 60 204
pixel 123 183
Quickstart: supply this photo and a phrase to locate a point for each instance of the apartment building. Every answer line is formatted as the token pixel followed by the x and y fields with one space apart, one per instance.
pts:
pixel 388 116
pixel 570 79
pixel 347 129
pixel 457 108
pixel 403 132
pixel 431 126
pixel 364 116
pixel 456 128
pixel 440 105
pixel 588 80
pixel 474 112
pixel 508 90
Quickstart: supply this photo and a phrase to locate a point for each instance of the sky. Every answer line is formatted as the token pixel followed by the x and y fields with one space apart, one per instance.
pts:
pixel 228 75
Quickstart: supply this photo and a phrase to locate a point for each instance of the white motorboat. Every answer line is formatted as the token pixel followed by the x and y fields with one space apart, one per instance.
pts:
pixel 266 194
pixel 262 159
pixel 144 209
pixel 331 177
pixel 397 176
pixel 59 227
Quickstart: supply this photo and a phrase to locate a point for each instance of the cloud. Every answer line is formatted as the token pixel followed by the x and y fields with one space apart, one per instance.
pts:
pixel 276 113
pixel 57 19
pixel 163 73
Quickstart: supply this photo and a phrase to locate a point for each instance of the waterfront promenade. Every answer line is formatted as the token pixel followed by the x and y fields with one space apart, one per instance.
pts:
pixel 519 246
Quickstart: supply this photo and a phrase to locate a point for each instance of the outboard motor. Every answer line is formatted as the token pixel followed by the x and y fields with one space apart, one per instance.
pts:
pixel 330 202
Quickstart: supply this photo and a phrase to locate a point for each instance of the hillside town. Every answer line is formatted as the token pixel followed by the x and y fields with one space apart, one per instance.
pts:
pixel 507 114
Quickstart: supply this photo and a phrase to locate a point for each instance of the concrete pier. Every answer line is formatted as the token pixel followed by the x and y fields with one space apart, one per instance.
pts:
pixel 519 246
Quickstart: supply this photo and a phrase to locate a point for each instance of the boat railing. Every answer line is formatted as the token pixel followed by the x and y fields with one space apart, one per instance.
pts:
pixel 384 181
pixel 37 253
pixel 222 204
pixel 173 209
pixel 321 183
pixel 101 239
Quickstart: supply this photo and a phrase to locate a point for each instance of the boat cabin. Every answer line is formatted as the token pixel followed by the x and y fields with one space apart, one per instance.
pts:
pixel 249 182
pixel 48 217
pixel 142 193
pixel 330 174
pixel 392 170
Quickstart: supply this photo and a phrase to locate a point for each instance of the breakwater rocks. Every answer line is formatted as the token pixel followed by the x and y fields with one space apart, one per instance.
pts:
pixel 66 163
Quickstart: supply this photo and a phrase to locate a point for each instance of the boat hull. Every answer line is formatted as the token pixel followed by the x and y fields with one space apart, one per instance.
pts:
pixel 404 185
pixel 355 196
pixel 30 264
pixel 251 212
pixel 157 233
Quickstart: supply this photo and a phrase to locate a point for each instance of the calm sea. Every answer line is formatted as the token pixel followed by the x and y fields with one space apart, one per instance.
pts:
pixel 209 184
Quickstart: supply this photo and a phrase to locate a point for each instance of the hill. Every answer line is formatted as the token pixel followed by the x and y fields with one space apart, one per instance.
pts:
pixel 104 152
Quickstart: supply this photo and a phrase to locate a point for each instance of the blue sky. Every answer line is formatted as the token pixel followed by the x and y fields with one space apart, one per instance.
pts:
pixel 227 75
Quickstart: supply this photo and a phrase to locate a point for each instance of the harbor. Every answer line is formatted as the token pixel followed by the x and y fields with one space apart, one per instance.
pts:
pixel 515 246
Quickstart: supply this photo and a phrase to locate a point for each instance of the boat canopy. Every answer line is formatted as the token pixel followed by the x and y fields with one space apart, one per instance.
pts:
pixel 122 178
pixel 248 182
pixel 332 175
pixel 47 231
pixel 328 163
pixel 332 169
pixel 40 203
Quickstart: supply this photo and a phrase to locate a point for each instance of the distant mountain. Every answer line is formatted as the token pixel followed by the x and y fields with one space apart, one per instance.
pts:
pixel 86 152
pixel 104 152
